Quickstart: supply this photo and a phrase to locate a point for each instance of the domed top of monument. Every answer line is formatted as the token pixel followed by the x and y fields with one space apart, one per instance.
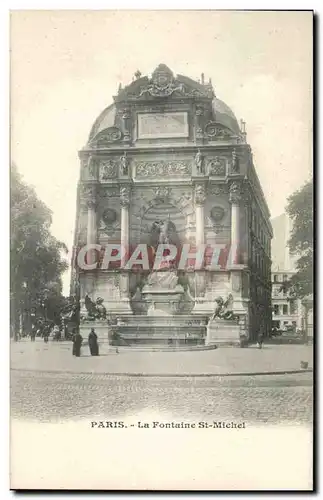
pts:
pixel 164 88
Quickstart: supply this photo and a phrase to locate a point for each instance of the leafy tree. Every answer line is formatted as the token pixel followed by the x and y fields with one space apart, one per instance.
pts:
pixel 35 254
pixel 300 211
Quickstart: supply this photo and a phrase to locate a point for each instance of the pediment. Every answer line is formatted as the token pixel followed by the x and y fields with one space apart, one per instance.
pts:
pixel 163 84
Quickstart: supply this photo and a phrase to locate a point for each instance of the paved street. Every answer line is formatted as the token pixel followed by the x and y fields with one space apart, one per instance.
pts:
pixel 49 384
pixel 26 355
pixel 50 397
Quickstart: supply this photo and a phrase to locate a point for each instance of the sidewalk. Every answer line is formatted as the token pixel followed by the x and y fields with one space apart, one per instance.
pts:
pixel 57 357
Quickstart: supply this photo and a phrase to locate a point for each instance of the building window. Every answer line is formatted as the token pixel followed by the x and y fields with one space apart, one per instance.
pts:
pixel 276 309
pixel 293 307
pixel 275 278
pixel 285 277
pixel 285 309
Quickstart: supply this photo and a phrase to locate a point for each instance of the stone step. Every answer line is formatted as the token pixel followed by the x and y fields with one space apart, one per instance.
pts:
pixel 155 348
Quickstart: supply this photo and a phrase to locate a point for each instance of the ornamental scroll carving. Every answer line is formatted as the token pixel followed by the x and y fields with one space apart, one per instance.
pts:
pixel 179 168
pixel 108 192
pixel 217 166
pixel 217 189
pixel 162 193
pixel 162 84
pixel 107 137
pixel 217 133
pixel 108 170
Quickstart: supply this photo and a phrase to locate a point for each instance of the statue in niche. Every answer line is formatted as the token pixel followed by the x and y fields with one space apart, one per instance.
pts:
pixel 124 164
pixel 199 162
pixel 163 233
pixel 235 162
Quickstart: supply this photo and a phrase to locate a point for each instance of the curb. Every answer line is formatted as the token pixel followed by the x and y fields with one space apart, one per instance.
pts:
pixel 170 375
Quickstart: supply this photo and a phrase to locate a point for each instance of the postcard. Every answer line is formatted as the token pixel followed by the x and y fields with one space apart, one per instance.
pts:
pixel 161 329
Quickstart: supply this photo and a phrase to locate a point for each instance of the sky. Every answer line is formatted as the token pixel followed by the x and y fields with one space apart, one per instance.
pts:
pixel 67 65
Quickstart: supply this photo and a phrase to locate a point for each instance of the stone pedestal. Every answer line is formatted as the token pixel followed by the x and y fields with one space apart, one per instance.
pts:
pixel 223 332
pixel 162 302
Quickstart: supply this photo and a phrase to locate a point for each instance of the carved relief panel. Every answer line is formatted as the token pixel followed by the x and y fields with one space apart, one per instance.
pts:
pixel 108 212
pixel 108 170
pixel 162 168
pixel 217 214
pixel 217 166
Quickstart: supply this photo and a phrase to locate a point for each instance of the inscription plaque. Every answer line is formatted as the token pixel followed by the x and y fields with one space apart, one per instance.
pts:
pixel 162 125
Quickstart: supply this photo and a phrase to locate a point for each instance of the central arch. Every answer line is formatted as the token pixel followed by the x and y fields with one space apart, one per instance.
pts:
pixel 160 211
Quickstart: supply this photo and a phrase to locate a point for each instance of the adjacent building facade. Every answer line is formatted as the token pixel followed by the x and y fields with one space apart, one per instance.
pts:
pixel 287 312
pixel 168 149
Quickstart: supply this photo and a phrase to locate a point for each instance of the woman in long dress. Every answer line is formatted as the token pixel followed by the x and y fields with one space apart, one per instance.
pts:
pixel 77 342
pixel 93 343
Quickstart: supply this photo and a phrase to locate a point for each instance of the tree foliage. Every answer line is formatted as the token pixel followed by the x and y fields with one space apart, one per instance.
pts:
pixel 300 211
pixel 36 255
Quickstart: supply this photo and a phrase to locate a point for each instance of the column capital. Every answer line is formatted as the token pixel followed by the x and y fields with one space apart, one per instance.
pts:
pixel 88 196
pixel 235 193
pixel 125 192
pixel 200 194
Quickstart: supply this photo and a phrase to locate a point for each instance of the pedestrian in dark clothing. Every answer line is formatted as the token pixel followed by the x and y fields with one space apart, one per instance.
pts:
pixel 46 334
pixel 260 340
pixel 77 342
pixel 33 334
pixel 93 343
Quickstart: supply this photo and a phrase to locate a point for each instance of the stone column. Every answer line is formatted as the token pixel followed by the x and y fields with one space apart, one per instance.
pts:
pixel 200 197
pixel 235 198
pixel 124 241
pixel 91 234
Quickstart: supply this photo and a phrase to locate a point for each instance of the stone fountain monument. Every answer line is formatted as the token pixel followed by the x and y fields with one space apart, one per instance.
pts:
pixel 168 163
